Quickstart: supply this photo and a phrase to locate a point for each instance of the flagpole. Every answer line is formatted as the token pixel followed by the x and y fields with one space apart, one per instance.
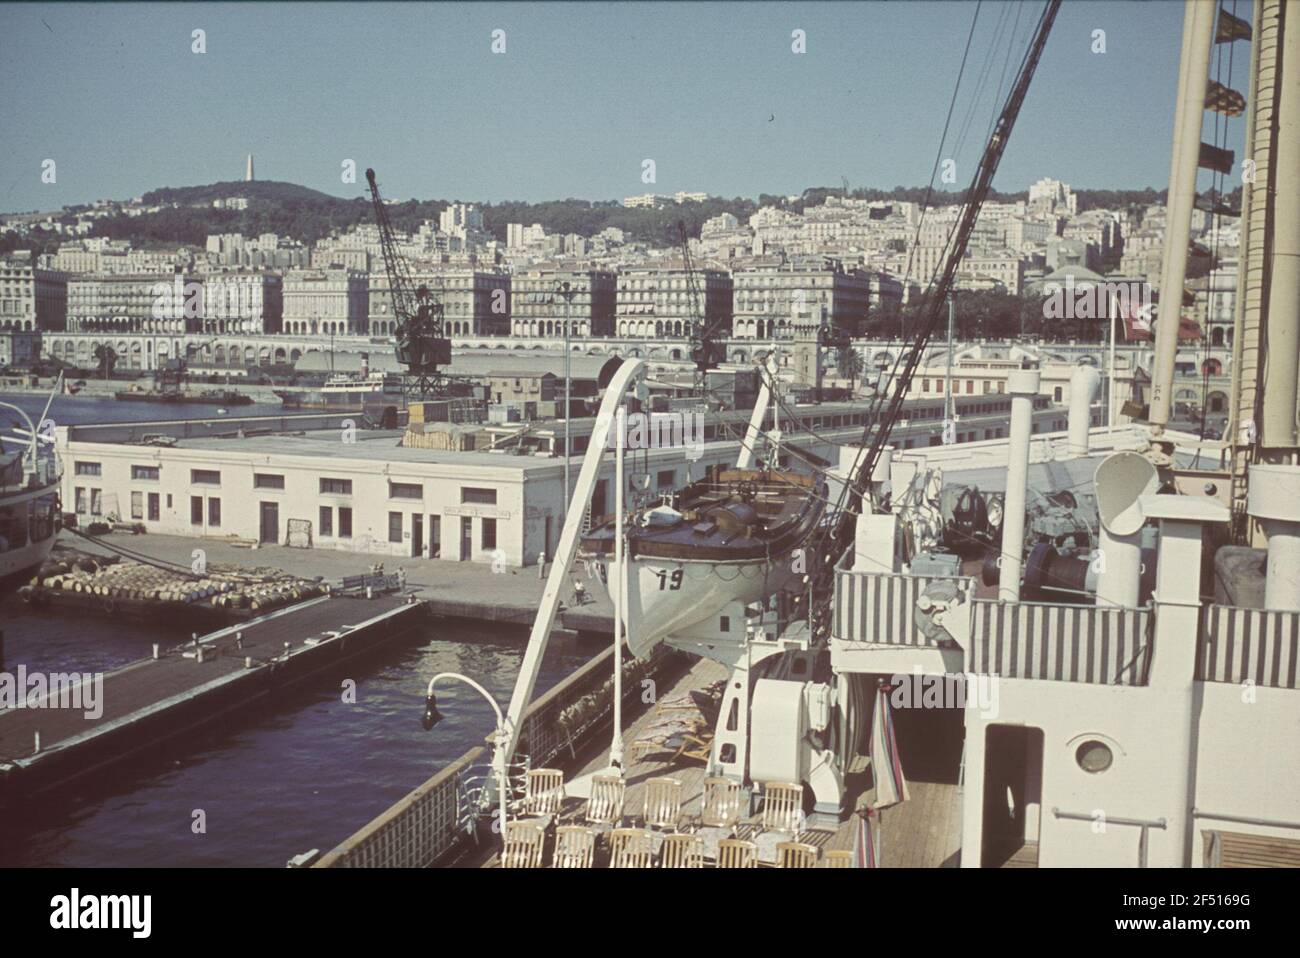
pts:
pixel 1110 392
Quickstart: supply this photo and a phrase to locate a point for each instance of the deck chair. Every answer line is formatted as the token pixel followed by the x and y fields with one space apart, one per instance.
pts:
pixel 796 855
pixel 605 805
pixel 630 848
pixel 543 795
pixel 575 846
pixel 720 813
pixel 523 848
pixel 697 748
pixel 663 803
pixel 837 858
pixel 682 851
pixel 781 819
pixel 735 853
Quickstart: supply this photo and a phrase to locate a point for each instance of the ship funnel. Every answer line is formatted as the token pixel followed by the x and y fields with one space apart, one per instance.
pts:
pixel 1120 481
pixel 1084 384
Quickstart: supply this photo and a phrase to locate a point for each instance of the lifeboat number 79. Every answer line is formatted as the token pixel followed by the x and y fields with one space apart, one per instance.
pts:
pixel 670 582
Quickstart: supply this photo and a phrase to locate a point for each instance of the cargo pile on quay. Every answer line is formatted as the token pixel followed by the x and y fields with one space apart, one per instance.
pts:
pixel 114 585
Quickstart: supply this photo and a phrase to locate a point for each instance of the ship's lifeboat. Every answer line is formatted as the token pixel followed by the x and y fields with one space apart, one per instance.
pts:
pixel 731 537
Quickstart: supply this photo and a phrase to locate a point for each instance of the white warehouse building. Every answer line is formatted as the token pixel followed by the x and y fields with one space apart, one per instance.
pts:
pixel 352 490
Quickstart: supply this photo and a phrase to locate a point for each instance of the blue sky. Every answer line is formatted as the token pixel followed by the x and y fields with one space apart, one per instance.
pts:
pixel 584 92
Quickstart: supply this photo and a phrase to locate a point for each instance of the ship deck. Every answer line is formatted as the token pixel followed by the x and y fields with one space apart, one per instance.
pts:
pixel 923 832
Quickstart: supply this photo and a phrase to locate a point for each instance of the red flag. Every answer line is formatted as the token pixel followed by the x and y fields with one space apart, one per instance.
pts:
pixel 1137 321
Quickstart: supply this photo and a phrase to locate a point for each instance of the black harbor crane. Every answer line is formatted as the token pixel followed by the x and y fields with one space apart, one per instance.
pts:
pixel 422 347
pixel 707 348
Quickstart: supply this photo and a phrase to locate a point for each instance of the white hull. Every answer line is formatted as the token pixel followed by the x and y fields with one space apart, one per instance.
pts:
pixel 20 507
pixel 669 596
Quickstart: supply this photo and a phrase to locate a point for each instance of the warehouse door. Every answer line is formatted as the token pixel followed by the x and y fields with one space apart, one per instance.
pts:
pixel 417 535
pixel 269 530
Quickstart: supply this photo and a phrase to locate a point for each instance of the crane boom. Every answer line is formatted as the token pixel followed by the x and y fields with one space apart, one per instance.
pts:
pixel 835 539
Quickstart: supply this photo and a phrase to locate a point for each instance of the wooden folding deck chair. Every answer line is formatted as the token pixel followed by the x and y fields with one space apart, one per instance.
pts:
pixel 523 846
pixel 543 794
pixel 630 848
pixel 663 803
pixel 720 813
pixel 782 818
pixel 605 804
pixel 796 855
pixel 575 847
pixel 837 858
pixel 737 853
pixel 682 851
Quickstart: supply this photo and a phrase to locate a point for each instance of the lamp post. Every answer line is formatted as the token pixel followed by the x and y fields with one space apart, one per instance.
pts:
pixel 566 291
pixel 502 737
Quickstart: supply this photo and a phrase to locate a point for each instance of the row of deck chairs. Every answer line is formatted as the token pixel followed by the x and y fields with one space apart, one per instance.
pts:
pixel 666 834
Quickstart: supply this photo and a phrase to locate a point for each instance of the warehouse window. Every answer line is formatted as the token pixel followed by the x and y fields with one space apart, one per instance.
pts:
pixel 345 522
pixel 405 490
pixel 214 512
pixel 206 477
pixel 336 487
pixel 486 497
pixel 327 520
pixel 196 510
pixel 394 527
pixel 264 480
pixel 144 472
pixel 489 534
pixel 88 469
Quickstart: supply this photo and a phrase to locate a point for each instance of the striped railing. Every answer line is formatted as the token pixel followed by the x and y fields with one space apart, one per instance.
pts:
pixel 880 608
pixel 1240 645
pixel 1063 643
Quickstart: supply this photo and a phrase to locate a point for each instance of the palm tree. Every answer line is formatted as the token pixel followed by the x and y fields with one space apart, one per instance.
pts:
pixel 849 361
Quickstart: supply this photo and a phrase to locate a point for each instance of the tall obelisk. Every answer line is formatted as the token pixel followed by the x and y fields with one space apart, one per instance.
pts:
pixel 248 176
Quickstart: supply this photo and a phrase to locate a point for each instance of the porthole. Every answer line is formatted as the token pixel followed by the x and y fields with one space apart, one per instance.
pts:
pixel 1094 756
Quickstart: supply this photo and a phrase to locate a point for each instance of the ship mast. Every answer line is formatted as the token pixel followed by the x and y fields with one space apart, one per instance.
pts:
pixel 1266 342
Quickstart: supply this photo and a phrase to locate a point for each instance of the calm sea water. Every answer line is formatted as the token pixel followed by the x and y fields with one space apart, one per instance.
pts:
pixel 71 410
pixel 302 773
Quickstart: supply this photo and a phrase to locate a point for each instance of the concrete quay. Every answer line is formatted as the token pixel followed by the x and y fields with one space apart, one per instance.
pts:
pixel 459 590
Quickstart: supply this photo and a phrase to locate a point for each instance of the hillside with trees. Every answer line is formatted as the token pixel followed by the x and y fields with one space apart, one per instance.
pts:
pixel 292 210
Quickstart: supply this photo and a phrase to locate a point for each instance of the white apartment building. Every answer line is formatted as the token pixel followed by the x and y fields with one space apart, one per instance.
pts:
pixel 767 299
pixel 31 298
pixel 655 302
pixel 539 309
pixel 135 303
pixel 237 301
pixel 325 302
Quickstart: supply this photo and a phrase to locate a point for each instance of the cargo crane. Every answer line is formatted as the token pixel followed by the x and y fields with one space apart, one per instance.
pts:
pixel 833 539
pixel 707 349
pixel 421 346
